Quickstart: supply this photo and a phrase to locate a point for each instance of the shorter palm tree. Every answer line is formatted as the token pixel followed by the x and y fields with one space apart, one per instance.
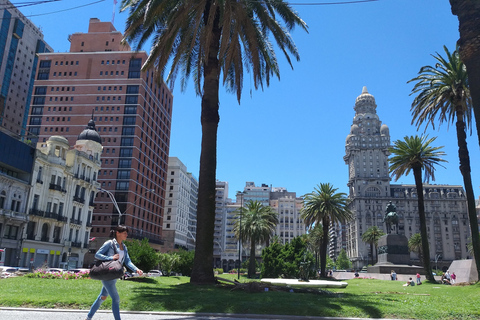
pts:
pixel 325 206
pixel 256 223
pixel 314 242
pixel 415 154
pixel 371 236
pixel 415 245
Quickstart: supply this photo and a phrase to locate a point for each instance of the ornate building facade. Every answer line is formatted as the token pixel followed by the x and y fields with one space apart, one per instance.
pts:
pixel 366 154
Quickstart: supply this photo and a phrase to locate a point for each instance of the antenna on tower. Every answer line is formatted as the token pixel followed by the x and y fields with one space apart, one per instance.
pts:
pixel 113 13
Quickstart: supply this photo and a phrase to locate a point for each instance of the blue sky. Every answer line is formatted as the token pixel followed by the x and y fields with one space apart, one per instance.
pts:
pixel 292 134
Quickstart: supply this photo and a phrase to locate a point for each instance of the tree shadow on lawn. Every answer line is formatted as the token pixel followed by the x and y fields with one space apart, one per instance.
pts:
pixel 214 299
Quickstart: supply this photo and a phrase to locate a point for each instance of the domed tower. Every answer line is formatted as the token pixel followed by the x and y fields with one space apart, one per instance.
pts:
pixel 89 141
pixel 366 150
pixel 366 154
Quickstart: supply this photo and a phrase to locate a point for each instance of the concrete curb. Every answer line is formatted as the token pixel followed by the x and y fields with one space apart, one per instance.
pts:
pixel 191 314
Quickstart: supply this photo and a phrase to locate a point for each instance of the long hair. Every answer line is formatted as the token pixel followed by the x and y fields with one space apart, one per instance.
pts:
pixel 120 228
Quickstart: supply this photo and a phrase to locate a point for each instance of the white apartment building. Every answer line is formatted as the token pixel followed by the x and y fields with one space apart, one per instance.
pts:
pixel 179 224
pixel 288 206
pixel 20 42
pixel 61 201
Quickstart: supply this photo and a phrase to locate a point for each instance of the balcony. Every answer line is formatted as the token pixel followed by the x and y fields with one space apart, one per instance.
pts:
pixel 44 239
pixel 76 221
pixel 36 212
pixel 57 187
pixel 56 240
pixel 50 215
pixel 76 244
pixel 78 199
pixel 62 218
pixel 30 237
pixel 39 181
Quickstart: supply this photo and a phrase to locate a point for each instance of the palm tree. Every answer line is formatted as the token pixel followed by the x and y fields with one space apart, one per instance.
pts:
pixel 468 12
pixel 203 39
pixel 371 237
pixel 314 241
pixel 415 245
pixel 443 94
pixel 256 223
pixel 416 153
pixel 324 206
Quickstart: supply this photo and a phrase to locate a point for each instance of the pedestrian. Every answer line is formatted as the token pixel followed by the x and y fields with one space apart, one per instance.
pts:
pixel 410 282
pixel 107 252
pixel 418 278
pixel 453 277
pixel 393 275
pixel 448 276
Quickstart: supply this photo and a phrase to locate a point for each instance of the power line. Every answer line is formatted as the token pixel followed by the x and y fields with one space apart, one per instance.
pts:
pixel 52 12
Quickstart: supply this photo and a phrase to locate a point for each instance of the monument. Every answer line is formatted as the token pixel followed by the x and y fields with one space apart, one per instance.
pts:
pixel 393 253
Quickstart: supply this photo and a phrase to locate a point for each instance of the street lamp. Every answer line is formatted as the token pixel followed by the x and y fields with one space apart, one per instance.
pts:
pixel 115 204
pixel 241 194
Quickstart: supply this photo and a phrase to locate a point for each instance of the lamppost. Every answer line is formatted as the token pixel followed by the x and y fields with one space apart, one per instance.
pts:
pixel 115 204
pixel 437 256
pixel 241 194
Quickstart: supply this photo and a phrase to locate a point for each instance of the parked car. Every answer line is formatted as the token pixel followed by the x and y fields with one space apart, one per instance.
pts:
pixel 155 273
pixel 52 270
pixel 77 270
pixel 8 271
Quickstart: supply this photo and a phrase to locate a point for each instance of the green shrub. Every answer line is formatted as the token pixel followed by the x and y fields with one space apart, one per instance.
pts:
pixel 218 270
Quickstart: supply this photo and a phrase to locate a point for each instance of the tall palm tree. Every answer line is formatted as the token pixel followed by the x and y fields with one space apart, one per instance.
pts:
pixel 325 206
pixel 468 12
pixel 203 39
pixel 443 94
pixel 415 245
pixel 371 237
pixel 314 241
pixel 415 154
pixel 256 223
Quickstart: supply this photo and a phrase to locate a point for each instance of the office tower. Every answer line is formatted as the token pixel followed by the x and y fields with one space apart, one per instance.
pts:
pixel 179 225
pixel 20 42
pixel 132 112
pixel 61 201
pixel 370 191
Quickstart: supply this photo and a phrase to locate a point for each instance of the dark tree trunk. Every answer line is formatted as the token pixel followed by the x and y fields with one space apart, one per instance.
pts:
pixel 417 173
pixel 468 13
pixel 251 263
pixel 371 252
pixel 323 249
pixel 202 272
pixel 465 169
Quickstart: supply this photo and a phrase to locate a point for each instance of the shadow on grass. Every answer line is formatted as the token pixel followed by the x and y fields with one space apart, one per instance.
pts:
pixel 187 297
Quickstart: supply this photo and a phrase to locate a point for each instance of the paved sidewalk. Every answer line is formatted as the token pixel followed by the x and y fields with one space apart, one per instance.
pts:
pixel 71 314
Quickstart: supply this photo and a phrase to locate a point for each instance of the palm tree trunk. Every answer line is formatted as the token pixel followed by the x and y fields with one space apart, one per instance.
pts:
pixel 468 12
pixel 417 173
pixel 371 252
pixel 202 272
pixel 251 263
pixel 323 248
pixel 465 169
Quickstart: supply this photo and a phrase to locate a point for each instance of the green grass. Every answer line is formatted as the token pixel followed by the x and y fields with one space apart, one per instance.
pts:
pixel 362 298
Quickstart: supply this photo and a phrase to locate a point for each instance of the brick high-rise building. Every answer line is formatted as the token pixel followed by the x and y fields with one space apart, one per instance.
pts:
pixel 132 112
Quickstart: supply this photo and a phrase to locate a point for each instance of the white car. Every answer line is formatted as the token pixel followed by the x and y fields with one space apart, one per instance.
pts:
pixel 8 271
pixel 154 273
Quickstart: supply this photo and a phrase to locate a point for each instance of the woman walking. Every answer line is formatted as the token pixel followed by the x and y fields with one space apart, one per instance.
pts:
pixel 108 252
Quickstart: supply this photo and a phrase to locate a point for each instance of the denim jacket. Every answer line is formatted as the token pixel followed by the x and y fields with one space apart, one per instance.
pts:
pixel 106 253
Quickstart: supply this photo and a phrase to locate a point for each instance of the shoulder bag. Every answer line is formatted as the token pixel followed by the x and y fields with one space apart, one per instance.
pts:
pixel 107 270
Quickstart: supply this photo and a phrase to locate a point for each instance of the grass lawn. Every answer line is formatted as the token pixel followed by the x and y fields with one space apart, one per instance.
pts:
pixel 362 298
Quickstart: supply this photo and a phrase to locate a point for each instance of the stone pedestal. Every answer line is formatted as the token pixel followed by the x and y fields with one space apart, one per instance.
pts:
pixel 393 248
pixel 393 254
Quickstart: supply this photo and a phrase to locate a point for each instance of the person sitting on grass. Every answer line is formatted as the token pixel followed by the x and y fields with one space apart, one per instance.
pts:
pixel 410 282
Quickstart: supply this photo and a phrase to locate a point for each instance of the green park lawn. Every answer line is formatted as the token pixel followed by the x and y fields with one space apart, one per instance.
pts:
pixel 361 298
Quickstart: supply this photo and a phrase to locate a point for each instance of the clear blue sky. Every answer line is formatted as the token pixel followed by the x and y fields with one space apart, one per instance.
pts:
pixel 293 133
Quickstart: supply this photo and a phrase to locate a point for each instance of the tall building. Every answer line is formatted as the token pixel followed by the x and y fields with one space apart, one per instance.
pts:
pixel 179 225
pixel 16 170
pixel 370 190
pixel 20 42
pixel 227 249
pixel 61 201
pixel 132 110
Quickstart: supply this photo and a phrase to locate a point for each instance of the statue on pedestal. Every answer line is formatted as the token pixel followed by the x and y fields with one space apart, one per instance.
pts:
pixel 391 217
